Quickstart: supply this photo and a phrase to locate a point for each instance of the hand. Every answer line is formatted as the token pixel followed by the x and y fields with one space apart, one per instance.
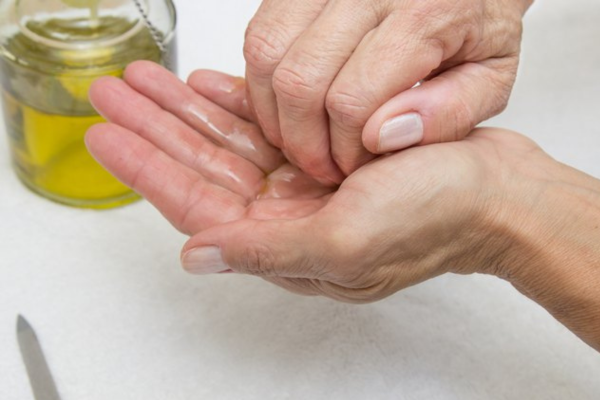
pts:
pixel 397 221
pixel 330 81
pixel 200 164
pixel 493 203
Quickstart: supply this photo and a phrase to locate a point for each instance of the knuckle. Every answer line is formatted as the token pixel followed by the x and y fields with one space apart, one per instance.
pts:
pixel 263 48
pixel 348 109
pixel 293 88
pixel 428 18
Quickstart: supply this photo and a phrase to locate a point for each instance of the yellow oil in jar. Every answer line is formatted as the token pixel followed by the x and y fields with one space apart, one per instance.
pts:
pixel 47 111
pixel 50 158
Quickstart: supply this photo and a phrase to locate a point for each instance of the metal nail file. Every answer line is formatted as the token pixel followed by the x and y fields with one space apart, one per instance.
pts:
pixel 40 378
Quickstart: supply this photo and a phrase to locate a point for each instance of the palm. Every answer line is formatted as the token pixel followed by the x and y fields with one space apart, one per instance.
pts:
pixel 194 152
pixel 201 164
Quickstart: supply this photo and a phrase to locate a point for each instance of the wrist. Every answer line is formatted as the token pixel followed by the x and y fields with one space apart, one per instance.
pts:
pixel 551 232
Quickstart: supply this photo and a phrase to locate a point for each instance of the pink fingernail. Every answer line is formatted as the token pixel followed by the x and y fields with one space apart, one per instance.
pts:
pixel 204 261
pixel 400 132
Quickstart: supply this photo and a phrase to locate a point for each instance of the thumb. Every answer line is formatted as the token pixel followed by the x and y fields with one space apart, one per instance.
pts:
pixel 272 248
pixel 443 109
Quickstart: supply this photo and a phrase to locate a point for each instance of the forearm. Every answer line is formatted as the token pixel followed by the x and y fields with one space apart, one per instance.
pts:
pixel 555 250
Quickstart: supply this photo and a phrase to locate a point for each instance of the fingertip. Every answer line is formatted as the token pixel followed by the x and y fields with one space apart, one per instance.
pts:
pixel 204 260
pixel 370 139
pixel 95 139
pixel 207 78
pixel 330 180
pixel 335 175
pixel 99 87
pixel 227 91
pixel 213 83
pixel 247 246
pixel 96 129
pixel 143 75
pixel 88 138
pixel 141 68
pixel 197 78
pixel 322 169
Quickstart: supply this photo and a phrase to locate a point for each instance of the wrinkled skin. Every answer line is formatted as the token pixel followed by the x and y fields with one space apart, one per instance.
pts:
pixel 493 203
pixel 324 76
pixel 397 221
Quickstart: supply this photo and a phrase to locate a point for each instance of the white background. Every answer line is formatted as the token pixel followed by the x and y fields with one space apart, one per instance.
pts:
pixel 119 319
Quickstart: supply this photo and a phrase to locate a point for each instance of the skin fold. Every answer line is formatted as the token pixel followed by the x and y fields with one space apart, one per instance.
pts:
pixel 493 203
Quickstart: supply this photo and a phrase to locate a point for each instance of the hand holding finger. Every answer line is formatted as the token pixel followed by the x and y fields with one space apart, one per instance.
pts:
pixel 443 109
pixel 350 63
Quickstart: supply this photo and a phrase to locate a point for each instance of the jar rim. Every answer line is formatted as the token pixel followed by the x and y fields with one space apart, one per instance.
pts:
pixel 79 45
pixel 22 21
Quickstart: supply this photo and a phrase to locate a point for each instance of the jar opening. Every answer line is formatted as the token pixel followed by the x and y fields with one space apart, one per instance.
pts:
pixel 58 25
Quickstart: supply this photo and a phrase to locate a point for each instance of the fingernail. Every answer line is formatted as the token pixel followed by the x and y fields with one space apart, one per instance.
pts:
pixel 204 261
pixel 400 132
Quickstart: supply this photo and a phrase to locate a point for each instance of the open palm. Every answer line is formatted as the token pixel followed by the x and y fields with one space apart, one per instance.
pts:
pixel 200 162
pixel 194 152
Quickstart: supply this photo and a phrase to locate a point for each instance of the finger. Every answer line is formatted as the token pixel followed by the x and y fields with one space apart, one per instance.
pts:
pixel 229 92
pixel 186 199
pixel 443 109
pixel 280 252
pixel 122 105
pixel 239 136
pixel 273 248
pixel 390 60
pixel 302 80
pixel 276 25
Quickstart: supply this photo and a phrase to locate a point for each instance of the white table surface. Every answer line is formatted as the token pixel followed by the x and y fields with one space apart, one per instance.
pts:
pixel 119 319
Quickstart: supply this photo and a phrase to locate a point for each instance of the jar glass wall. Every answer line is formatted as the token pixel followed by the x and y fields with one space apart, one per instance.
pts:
pixel 50 53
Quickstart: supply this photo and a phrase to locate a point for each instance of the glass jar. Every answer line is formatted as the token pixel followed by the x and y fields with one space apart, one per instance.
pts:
pixel 50 53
